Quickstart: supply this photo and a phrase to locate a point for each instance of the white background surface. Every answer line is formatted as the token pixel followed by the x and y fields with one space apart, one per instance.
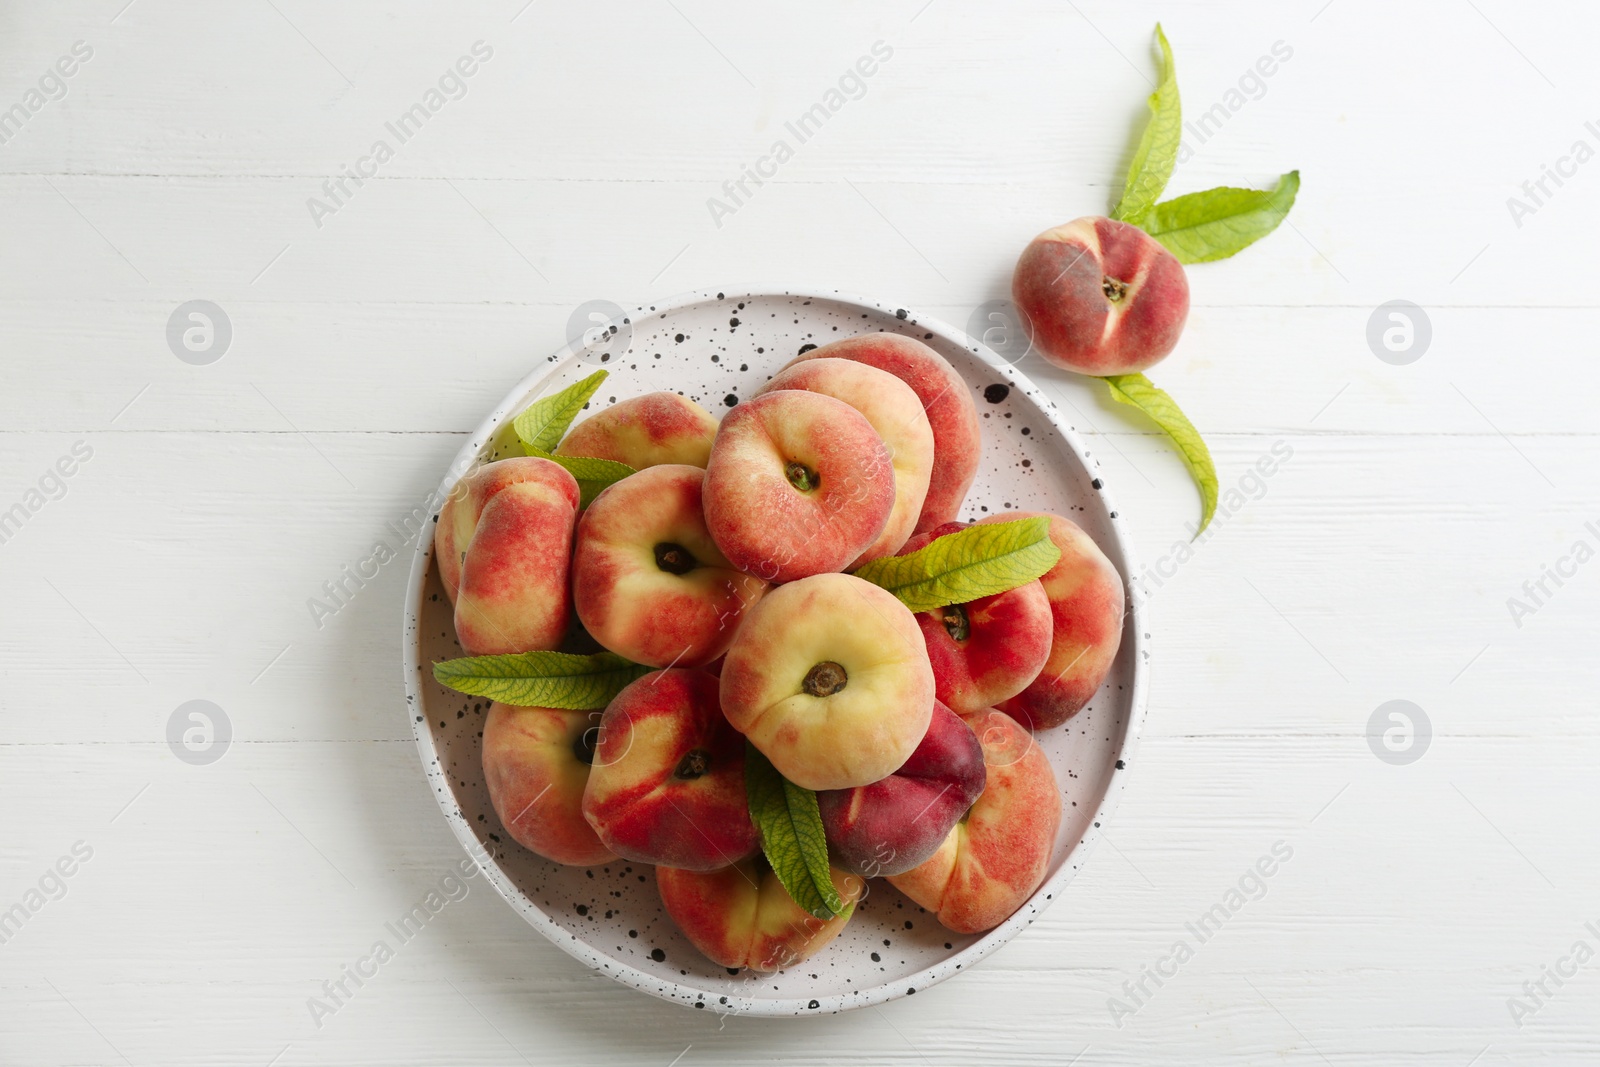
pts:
pixel 1375 565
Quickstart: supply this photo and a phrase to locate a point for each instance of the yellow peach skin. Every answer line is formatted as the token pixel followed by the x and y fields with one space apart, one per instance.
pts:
pixel 828 676
pixel 645 430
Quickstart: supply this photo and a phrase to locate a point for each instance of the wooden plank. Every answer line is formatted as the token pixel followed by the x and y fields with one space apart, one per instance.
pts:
pixel 1382 559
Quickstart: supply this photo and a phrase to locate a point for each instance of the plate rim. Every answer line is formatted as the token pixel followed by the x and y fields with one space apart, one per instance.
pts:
pixel 670 990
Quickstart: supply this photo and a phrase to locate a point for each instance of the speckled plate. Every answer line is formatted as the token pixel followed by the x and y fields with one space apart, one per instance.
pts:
pixel 717 347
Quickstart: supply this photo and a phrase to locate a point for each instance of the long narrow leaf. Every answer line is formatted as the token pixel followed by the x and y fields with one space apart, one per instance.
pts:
pixel 1157 153
pixel 541 679
pixel 792 838
pixel 1140 392
pixel 544 422
pixel 983 560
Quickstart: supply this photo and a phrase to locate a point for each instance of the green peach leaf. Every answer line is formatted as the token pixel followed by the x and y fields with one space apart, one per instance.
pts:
pixel 593 475
pixel 540 427
pixel 505 444
pixel 544 422
pixel 1203 227
pixel 792 838
pixel 541 679
pixel 1153 160
pixel 982 560
pixel 1140 392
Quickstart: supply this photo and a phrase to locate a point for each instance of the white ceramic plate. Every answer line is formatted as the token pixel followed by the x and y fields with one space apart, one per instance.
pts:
pixel 716 348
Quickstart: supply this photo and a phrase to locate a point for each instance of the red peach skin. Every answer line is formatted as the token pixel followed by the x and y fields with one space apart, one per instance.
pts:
pixel 1086 607
pixel 892 825
pixel 1102 297
pixel 643 431
pixel 647 580
pixel 798 484
pixel 947 401
pixel 995 858
pixel 990 649
pixel 535 764
pixel 504 543
pixel 459 515
pixel 894 410
pixel 741 916
pixel 667 784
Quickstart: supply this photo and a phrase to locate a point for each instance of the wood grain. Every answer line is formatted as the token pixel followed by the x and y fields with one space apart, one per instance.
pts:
pixel 1375 564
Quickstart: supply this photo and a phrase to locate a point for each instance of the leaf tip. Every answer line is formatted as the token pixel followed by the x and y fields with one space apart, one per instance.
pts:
pixel 1166 53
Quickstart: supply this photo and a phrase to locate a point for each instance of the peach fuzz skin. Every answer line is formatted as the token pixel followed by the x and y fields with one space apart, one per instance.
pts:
pixel 648 582
pixel 667 782
pixel 643 431
pixel 798 484
pixel 828 678
pixel 947 402
pixel 1101 297
pixel 1086 607
pixel 464 504
pixel 894 411
pixel 990 649
pixel 891 826
pixel 741 916
pixel 535 765
pixel 995 858
pixel 503 543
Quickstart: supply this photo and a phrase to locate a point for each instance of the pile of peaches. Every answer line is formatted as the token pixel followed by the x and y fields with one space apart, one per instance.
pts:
pixel 718 570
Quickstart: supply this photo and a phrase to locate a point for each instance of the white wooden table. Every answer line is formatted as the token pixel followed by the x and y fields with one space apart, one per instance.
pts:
pixel 207 903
